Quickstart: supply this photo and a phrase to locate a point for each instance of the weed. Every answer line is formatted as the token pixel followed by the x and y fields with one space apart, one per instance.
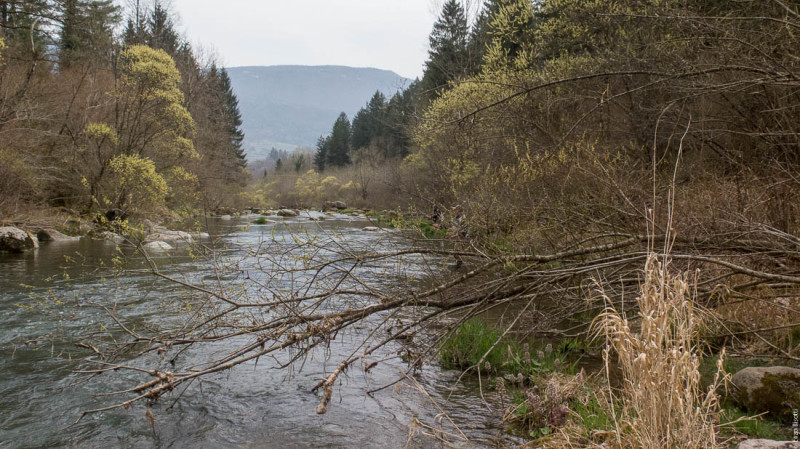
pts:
pixel 663 404
pixel 468 345
pixel 733 420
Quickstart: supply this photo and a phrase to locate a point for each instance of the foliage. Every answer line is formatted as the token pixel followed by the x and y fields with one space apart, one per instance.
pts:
pixel 473 344
pixel 154 119
pixel 134 186
pixel 448 57
pixel 314 188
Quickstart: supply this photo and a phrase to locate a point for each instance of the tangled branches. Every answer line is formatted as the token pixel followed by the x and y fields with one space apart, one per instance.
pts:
pixel 291 298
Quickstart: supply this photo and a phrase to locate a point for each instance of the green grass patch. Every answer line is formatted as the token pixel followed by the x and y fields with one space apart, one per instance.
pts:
pixel 592 415
pixel 467 346
pixel 474 339
pixel 261 220
pixel 757 427
pixel 708 366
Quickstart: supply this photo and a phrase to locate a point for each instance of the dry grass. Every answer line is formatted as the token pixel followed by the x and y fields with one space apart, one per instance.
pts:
pixel 662 402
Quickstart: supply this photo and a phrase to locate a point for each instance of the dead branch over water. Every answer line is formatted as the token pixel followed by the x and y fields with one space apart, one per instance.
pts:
pixel 292 300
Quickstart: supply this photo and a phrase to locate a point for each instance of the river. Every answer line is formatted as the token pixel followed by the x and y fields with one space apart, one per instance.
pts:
pixel 252 406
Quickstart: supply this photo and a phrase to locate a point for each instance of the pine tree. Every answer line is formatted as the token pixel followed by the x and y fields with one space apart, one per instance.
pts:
pixel 480 37
pixel 321 156
pixel 17 19
pixel 233 118
pixel 161 30
pixel 87 30
pixel 448 57
pixel 368 124
pixel 338 147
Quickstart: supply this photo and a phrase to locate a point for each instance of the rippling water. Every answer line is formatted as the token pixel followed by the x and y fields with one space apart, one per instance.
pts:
pixel 253 406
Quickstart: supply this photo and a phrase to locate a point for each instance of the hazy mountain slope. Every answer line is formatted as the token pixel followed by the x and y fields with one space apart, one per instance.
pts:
pixel 293 105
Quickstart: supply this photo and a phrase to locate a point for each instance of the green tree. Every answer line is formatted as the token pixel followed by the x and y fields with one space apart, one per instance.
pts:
pixel 512 29
pixel 233 118
pixel 87 30
pixel 479 36
pixel 152 120
pixel 368 123
pixel 321 156
pixel 161 32
pixel 448 56
pixel 338 148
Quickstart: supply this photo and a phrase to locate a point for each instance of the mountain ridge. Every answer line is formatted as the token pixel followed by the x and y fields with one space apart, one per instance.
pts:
pixel 287 105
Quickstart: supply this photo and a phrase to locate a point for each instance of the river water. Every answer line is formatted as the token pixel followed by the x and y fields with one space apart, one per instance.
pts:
pixel 43 310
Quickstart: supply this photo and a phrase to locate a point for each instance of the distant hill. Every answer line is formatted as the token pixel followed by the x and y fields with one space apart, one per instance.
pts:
pixel 289 106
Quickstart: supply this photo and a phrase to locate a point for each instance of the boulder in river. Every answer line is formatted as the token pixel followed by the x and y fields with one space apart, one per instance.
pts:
pixel 768 444
pixel 288 213
pixel 335 205
pixel 16 240
pixel 169 236
pixel 371 229
pixel 157 246
pixel 773 389
pixel 51 235
pixel 112 237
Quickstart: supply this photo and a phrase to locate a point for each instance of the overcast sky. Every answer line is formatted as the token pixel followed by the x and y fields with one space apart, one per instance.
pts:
pixel 385 34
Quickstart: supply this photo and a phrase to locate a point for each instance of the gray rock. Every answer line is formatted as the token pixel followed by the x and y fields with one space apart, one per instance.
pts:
pixel 112 237
pixel 225 217
pixel 51 235
pixel 773 389
pixel 335 205
pixel 157 246
pixel 768 444
pixel 288 213
pixel 371 229
pixel 169 236
pixel 16 240
pixel 200 235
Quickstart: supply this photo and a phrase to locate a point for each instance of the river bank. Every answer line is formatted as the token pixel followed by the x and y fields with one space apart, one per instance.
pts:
pixel 510 382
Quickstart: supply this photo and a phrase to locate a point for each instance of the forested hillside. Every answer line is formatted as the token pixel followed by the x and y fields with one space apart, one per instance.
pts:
pixel 550 120
pixel 295 104
pixel 112 112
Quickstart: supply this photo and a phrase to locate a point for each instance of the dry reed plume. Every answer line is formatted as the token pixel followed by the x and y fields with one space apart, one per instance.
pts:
pixel 662 402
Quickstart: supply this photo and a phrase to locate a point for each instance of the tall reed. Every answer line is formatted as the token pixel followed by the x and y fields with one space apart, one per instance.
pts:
pixel 661 399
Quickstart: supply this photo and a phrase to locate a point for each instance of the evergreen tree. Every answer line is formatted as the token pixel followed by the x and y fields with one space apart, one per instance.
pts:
pixel 17 18
pixel 233 118
pixel 448 57
pixel 400 117
pixel 368 124
pixel 338 147
pixel 87 30
pixel 161 30
pixel 480 37
pixel 321 156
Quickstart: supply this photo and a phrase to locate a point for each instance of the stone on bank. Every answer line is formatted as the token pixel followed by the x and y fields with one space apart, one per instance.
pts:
pixel 16 240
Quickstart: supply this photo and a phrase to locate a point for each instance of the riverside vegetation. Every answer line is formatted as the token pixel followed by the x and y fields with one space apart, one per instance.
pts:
pixel 612 179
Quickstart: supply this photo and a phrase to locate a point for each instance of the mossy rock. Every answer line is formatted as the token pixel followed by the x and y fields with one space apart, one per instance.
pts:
pixel 773 389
